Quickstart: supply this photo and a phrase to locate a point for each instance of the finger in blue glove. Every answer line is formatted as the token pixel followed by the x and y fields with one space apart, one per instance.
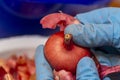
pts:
pixel 100 28
pixel 86 70
pixel 106 78
pixel 95 35
pixel 43 69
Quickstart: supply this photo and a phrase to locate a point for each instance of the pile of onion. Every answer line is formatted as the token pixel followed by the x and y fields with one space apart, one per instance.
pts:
pixel 60 51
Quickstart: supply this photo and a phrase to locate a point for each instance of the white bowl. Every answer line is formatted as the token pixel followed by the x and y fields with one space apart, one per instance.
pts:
pixel 20 45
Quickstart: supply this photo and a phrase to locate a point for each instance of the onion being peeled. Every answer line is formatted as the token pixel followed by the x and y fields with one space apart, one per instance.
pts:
pixel 63 55
pixel 59 50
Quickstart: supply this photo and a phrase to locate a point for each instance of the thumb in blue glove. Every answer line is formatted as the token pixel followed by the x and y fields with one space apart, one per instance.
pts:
pixel 86 70
pixel 43 69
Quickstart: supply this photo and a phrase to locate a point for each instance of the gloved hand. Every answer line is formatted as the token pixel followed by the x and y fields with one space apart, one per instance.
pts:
pixel 98 28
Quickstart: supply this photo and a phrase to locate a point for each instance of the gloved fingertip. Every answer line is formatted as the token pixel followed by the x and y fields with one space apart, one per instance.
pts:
pixel 86 69
pixel 70 29
pixel 43 69
pixel 76 26
pixel 86 61
pixel 39 50
pixel 39 47
pixel 74 30
pixel 106 78
pixel 78 33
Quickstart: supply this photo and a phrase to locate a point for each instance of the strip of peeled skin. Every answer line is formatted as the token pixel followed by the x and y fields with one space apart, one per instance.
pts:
pixel 57 19
pixel 106 70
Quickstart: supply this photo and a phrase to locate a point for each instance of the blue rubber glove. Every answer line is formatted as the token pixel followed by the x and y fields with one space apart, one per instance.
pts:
pixel 99 28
